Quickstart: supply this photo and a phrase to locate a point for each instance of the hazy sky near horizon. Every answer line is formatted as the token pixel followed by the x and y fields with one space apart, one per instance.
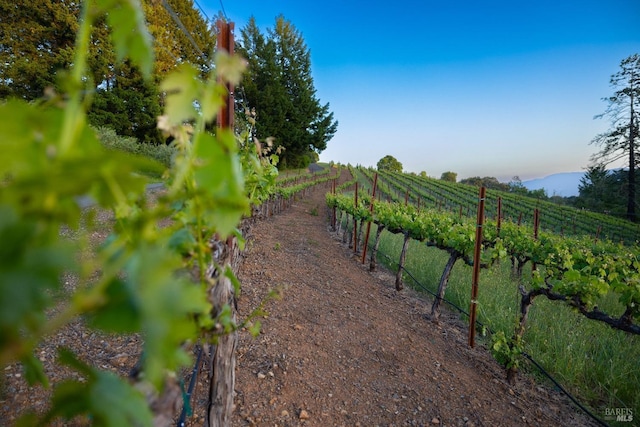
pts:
pixel 480 88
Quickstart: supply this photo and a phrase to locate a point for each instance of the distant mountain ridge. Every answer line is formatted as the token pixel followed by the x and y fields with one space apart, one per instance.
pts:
pixel 560 184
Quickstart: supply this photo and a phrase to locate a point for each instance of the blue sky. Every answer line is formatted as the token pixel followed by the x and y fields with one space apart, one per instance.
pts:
pixel 480 88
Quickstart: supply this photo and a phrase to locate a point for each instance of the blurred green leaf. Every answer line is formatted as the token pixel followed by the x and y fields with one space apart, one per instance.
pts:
pixel 109 400
pixel 219 175
pixel 168 305
pixel 182 241
pixel 31 263
pixel 183 88
pixel 230 67
pixel 254 329
pixel 34 371
pixel 121 311
pixel 129 32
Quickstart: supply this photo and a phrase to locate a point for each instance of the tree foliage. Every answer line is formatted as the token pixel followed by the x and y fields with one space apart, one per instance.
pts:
pixel 604 191
pixel 620 141
pixel 487 182
pixel 515 186
pixel 279 88
pixel 389 163
pixel 171 45
pixel 36 44
pixel 449 176
pixel 130 105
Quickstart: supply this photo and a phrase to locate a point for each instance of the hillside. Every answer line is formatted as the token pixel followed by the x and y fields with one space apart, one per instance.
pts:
pixel 559 184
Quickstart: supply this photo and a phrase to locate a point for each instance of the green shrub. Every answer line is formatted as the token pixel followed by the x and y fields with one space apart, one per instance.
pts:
pixel 161 153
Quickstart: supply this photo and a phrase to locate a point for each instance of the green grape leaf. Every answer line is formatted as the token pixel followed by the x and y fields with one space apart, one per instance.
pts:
pixel 254 329
pixel 121 312
pixel 225 318
pixel 28 135
pixel 168 304
pixel 129 32
pixel 34 371
pixel 219 175
pixel 109 400
pixel 230 67
pixel 213 99
pixel 183 88
pixel 28 419
pixel 31 263
pixel 182 241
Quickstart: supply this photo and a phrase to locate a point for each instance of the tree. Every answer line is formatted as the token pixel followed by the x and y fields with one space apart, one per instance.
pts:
pixel 172 46
pixel 36 41
pixel 123 100
pixel 279 86
pixel 449 176
pixel 604 190
pixel 620 140
pixel 487 182
pixel 130 106
pixel 516 186
pixel 389 163
pixel 593 188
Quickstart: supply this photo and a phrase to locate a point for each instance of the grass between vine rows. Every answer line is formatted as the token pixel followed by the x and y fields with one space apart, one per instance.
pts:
pixel 596 363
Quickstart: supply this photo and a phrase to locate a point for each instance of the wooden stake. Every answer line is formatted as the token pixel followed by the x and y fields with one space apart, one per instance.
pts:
pixel 333 217
pixel 355 223
pixel 226 43
pixel 476 269
pixel 499 215
pixel 536 225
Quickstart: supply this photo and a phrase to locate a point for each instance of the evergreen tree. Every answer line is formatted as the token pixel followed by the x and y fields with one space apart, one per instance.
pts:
pixel 279 86
pixel 621 139
pixel 604 191
pixel 130 106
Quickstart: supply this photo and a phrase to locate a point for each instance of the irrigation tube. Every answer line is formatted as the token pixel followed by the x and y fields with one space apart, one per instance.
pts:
pixel 186 405
pixel 526 355
pixel 557 384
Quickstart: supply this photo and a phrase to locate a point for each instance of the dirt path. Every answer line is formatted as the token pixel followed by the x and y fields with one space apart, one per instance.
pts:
pixel 342 348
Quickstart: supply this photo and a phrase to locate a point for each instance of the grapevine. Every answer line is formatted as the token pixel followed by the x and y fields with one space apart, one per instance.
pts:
pixel 138 281
pixel 576 270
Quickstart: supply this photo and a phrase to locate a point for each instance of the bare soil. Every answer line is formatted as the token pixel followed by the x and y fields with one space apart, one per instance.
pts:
pixel 339 347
